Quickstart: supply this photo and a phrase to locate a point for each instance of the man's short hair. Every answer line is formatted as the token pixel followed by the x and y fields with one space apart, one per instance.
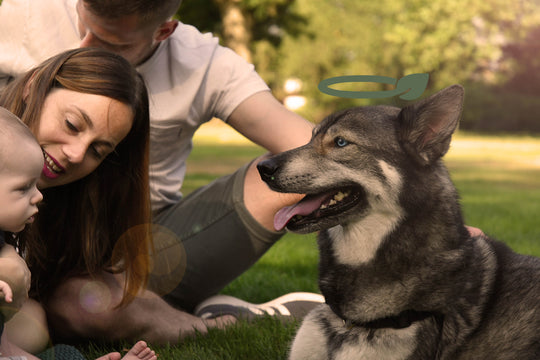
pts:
pixel 150 11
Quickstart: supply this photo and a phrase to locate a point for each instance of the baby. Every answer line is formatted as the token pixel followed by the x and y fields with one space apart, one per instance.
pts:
pixel 21 164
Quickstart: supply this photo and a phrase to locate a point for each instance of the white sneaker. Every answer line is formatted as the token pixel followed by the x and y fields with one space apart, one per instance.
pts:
pixel 289 306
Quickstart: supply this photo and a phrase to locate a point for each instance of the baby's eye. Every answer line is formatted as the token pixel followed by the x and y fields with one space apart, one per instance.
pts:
pixel 25 188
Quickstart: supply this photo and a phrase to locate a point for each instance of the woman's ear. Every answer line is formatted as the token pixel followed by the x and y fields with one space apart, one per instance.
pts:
pixel 28 86
pixel 165 30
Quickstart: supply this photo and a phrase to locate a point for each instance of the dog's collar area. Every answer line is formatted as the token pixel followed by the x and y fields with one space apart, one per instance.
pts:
pixel 401 321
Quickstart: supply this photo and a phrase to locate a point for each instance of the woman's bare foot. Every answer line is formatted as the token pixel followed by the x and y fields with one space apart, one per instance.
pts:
pixel 139 351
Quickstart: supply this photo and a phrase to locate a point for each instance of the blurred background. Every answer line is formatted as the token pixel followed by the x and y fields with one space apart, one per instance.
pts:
pixel 492 47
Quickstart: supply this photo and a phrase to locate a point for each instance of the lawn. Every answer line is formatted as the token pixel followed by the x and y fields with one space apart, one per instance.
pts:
pixel 498 179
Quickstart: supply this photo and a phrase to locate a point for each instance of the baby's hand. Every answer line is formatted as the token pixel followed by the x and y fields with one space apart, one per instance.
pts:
pixel 14 281
pixel 6 297
pixel 14 270
pixel 5 292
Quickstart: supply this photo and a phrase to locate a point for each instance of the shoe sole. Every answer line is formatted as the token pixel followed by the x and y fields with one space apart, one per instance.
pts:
pixel 229 305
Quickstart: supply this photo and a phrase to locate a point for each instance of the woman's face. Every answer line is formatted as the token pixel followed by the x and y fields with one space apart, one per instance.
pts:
pixel 76 132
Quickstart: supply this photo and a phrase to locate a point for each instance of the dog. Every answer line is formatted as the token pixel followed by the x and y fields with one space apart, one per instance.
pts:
pixel 401 275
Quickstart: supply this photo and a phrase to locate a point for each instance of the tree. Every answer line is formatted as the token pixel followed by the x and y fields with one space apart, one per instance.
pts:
pixel 454 41
pixel 244 24
pixel 525 57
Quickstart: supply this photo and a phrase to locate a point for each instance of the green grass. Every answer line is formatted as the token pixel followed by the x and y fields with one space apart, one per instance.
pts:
pixel 499 182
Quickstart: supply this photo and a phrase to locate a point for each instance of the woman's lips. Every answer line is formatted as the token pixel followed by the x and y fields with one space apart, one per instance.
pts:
pixel 51 168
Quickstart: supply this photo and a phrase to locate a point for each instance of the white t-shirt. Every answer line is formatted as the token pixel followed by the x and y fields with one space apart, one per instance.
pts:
pixel 190 80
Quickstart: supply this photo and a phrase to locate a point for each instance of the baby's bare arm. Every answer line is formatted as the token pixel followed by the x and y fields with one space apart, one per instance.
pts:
pixel 15 275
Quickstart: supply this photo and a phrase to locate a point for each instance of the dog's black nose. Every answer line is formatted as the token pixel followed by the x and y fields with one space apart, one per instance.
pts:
pixel 267 169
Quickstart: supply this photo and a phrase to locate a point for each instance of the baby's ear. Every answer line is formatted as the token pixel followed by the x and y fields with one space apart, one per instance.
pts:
pixel 426 127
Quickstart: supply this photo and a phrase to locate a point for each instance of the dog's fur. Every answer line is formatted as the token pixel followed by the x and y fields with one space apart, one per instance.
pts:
pixel 401 275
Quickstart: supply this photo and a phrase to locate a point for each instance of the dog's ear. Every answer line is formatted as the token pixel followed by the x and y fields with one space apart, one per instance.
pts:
pixel 426 127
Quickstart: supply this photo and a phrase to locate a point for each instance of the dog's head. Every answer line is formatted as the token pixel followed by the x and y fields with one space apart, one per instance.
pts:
pixel 356 161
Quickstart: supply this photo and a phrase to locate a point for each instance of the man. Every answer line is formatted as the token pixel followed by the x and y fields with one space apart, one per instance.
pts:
pixel 220 230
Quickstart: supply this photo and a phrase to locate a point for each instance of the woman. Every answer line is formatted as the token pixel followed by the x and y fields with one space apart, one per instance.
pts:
pixel 88 109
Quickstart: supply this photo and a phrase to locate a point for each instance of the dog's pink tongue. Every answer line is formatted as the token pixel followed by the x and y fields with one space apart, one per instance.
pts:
pixel 304 207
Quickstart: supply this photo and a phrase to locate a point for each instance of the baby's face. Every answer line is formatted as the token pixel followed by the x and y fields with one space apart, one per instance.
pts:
pixel 19 196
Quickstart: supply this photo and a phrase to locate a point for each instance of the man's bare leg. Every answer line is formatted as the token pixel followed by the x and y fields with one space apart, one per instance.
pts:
pixel 86 308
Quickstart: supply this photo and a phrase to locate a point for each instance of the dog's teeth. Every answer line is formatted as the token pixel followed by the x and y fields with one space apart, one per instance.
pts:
pixel 337 198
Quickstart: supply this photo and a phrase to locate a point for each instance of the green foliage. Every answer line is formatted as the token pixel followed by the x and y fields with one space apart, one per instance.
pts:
pixel 454 41
pixel 478 43
pixel 203 14
pixel 270 20
pixel 499 109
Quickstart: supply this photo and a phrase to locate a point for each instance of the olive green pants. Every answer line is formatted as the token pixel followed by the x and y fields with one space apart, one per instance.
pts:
pixel 206 241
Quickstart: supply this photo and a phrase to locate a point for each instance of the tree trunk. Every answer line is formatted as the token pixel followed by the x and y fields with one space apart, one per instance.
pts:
pixel 236 27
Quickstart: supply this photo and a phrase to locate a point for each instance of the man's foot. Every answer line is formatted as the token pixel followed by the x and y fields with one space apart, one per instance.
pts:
pixel 139 351
pixel 292 306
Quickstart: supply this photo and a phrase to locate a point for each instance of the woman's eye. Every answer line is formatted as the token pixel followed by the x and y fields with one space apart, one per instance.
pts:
pixel 70 126
pixel 96 152
pixel 340 142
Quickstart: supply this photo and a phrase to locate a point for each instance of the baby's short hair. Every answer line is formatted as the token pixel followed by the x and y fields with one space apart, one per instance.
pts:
pixel 12 132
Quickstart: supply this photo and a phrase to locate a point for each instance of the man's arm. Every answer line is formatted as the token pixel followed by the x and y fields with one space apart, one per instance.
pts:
pixel 266 122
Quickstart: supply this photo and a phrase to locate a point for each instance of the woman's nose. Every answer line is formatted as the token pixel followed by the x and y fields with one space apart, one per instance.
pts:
pixel 75 152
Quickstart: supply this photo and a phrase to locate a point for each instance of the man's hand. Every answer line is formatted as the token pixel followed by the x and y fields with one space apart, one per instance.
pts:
pixel 474 231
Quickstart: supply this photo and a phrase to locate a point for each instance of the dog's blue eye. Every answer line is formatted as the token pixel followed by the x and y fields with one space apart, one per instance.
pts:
pixel 341 142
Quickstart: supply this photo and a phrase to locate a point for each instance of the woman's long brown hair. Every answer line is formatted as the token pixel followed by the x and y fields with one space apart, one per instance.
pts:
pixel 100 222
